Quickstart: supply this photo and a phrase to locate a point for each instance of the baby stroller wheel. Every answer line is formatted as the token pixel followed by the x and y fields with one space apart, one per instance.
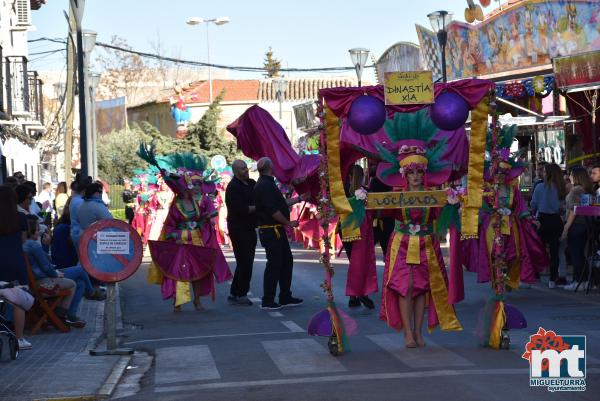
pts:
pixel 13 345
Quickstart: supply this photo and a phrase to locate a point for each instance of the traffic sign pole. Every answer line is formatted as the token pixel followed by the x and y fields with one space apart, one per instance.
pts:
pixel 111 251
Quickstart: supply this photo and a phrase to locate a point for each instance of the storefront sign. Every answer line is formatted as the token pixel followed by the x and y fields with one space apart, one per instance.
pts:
pixel 411 87
pixel 578 70
pixel 399 200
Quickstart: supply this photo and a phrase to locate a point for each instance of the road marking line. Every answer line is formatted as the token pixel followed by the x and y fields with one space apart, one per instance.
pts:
pixel 294 328
pixel 432 356
pixel 351 378
pixel 300 357
pixel 153 340
pixel 184 364
pixel 276 314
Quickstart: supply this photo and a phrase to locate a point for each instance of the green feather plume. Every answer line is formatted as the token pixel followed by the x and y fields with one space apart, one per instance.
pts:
pixel 434 156
pixel 416 125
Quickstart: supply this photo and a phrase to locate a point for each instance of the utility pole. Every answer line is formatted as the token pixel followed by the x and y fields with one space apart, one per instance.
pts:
pixel 70 93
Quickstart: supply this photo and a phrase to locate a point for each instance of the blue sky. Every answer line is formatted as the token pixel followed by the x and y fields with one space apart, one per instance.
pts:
pixel 309 33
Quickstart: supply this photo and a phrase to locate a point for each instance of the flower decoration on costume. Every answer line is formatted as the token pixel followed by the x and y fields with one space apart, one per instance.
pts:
pixel 510 165
pixel 455 195
pixel 360 194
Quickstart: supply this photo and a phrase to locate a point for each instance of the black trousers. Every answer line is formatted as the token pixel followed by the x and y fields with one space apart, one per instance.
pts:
pixel 382 232
pixel 280 264
pixel 551 227
pixel 244 247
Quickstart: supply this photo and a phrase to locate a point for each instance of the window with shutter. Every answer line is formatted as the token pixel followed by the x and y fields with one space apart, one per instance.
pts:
pixel 23 12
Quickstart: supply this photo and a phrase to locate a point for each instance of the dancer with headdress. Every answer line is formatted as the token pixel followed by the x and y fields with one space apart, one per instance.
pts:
pixel 508 251
pixel 187 251
pixel 415 275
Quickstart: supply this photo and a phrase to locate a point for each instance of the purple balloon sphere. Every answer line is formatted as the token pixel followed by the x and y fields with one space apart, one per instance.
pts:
pixel 449 112
pixel 367 115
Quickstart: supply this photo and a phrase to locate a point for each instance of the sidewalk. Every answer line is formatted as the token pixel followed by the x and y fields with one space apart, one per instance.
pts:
pixel 59 365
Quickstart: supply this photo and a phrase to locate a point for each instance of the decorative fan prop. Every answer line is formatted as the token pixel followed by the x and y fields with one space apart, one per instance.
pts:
pixel 474 12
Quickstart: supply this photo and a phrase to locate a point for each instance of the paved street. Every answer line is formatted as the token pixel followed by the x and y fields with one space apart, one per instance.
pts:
pixel 244 353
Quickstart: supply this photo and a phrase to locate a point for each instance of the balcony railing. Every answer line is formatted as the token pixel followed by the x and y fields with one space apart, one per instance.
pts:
pixel 23 89
pixel 36 105
pixel 17 85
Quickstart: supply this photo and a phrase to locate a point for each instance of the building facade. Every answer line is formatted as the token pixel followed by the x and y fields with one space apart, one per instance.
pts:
pixel 21 100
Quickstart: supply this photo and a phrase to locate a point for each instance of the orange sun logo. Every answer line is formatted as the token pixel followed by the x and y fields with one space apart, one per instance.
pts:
pixel 542 341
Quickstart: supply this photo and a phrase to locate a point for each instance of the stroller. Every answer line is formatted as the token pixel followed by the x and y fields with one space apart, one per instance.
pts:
pixel 6 334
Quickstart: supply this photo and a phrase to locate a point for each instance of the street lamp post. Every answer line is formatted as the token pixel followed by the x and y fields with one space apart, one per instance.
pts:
pixel 94 79
pixel 359 57
pixel 89 42
pixel 281 85
pixel 439 22
pixel 216 21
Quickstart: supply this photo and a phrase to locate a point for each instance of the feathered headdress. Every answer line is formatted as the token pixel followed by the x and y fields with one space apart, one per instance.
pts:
pixel 412 133
pixel 510 164
pixel 182 172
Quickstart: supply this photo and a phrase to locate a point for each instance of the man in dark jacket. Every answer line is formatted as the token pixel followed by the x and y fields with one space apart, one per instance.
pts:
pixel 272 214
pixel 241 223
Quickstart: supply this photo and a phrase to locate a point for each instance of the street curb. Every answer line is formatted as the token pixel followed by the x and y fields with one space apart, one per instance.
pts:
pixel 113 379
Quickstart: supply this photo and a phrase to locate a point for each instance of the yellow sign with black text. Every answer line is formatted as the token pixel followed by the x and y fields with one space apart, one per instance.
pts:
pixel 410 87
pixel 401 200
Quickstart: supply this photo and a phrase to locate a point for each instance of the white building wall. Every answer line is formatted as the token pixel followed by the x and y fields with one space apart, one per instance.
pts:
pixel 13 39
pixel 21 157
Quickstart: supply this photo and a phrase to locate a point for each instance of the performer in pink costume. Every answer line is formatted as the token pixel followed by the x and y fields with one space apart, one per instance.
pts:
pixel 187 251
pixel 525 252
pixel 415 274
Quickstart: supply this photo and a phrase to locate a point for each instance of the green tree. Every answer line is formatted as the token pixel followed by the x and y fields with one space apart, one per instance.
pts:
pixel 117 156
pixel 271 64
pixel 206 138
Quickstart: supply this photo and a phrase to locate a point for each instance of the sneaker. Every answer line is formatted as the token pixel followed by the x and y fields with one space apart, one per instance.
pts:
pixel 291 302
pixel 75 321
pixel 24 344
pixel 240 301
pixel 551 284
pixel 270 306
pixel 573 285
pixel 353 302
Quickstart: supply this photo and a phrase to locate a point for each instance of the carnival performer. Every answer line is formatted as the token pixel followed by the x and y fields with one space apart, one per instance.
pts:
pixel 361 280
pixel 187 251
pixel 415 275
pixel 524 251
pixel 508 250
pixel 163 198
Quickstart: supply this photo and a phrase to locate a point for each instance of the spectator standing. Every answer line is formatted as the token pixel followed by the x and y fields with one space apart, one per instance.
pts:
pixel 575 229
pixel 63 253
pixel 77 191
pixel 12 235
pixel 540 172
pixel 61 198
pixel 546 203
pixel 19 177
pixel 241 224
pixel 272 214
pixel 129 196
pixel 93 207
pixel 595 176
pixel 46 197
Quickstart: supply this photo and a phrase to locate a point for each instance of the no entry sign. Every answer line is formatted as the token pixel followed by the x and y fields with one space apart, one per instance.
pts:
pixel 110 250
